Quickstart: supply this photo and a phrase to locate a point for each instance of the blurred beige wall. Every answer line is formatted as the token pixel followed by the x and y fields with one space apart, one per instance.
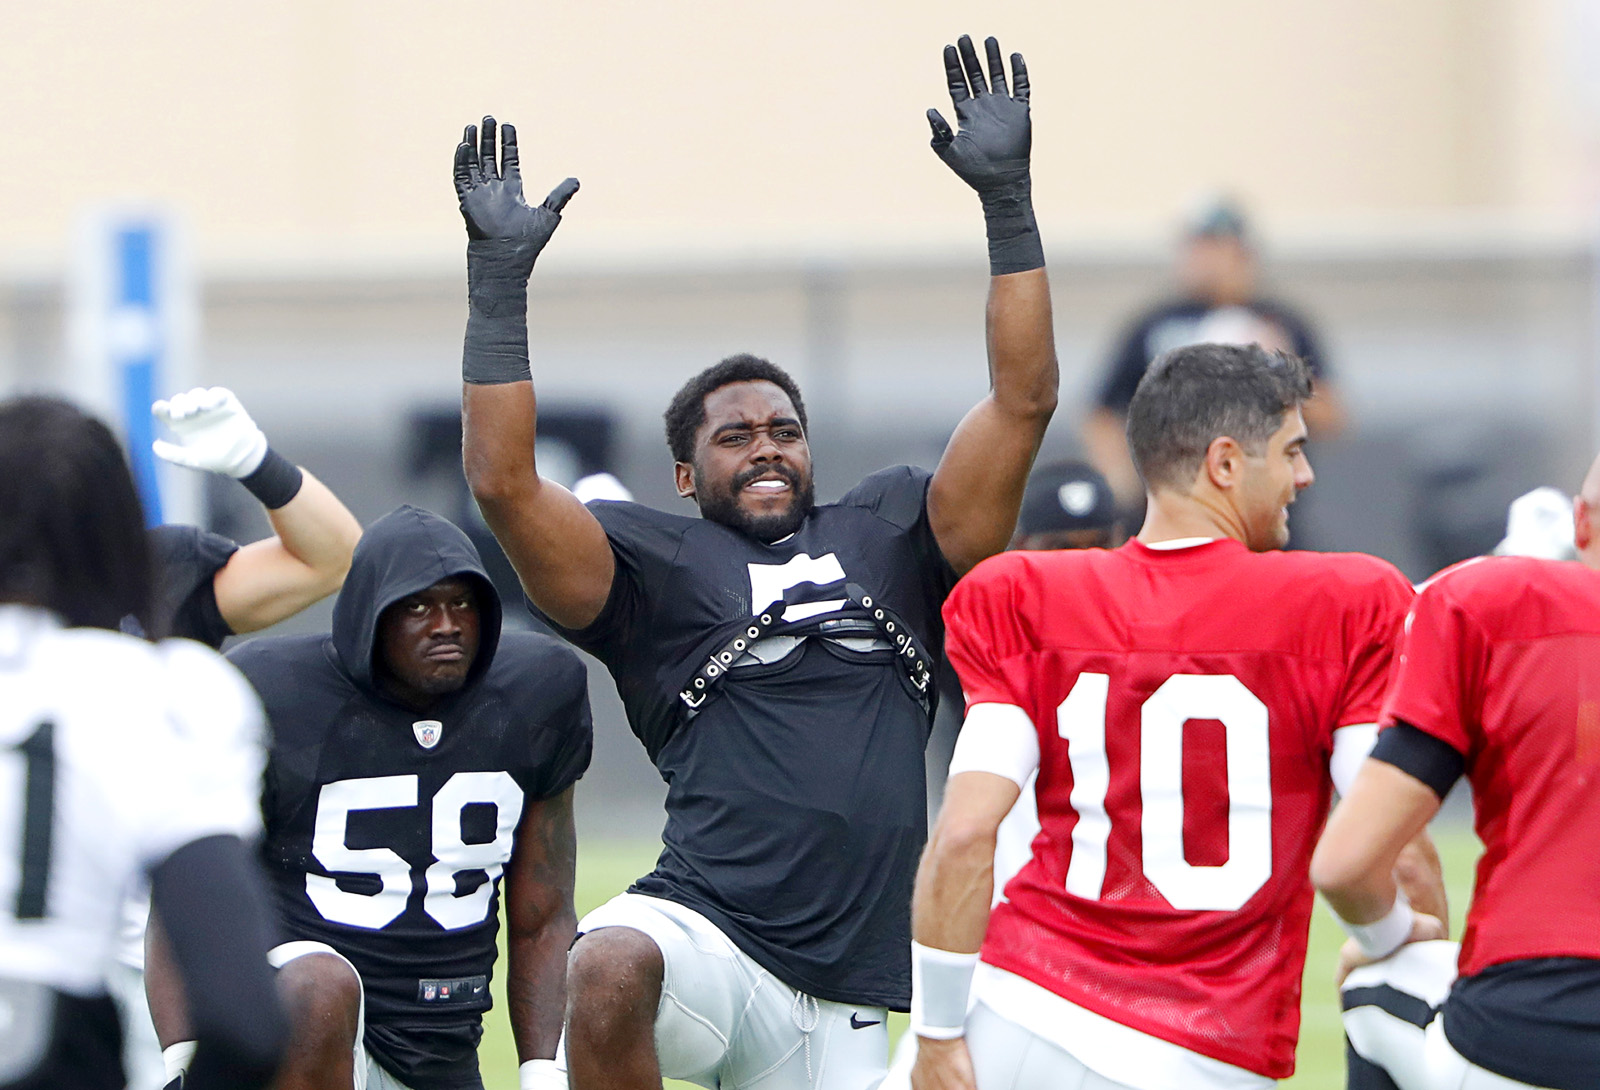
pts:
pixel 318 132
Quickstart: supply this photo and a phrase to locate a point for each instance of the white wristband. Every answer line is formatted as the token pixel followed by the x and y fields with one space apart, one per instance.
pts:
pixel 1382 937
pixel 540 1075
pixel 940 983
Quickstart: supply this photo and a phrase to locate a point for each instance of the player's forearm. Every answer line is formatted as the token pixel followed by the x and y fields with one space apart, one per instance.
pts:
pixel 536 986
pixel 559 550
pixel 1420 876
pixel 954 889
pixel 499 426
pixel 1022 353
pixel 318 530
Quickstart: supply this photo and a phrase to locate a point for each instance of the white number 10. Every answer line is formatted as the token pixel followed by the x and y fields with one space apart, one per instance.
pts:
pixel 1081 720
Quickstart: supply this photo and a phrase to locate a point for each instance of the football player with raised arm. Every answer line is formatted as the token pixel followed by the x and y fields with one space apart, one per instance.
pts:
pixel 1188 703
pixel 208 587
pixel 1499 680
pixel 118 758
pixel 418 752
pixel 773 654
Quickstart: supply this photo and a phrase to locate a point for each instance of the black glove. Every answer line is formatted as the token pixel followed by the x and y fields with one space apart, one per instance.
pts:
pixel 990 153
pixel 491 197
pixel 505 236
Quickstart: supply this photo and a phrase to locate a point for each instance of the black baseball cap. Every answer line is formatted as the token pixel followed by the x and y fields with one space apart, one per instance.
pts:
pixel 1066 496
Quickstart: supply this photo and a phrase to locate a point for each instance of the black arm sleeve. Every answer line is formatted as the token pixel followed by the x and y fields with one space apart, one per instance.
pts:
pixel 214 909
pixel 1420 755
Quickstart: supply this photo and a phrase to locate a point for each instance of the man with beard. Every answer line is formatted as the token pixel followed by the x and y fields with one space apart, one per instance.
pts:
pixel 417 754
pixel 773 654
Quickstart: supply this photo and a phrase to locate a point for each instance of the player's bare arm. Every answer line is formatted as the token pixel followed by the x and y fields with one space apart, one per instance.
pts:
pixel 1420 875
pixel 976 492
pixel 306 560
pixel 314 533
pixel 949 914
pixel 1354 864
pixel 559 550
pixel 540 924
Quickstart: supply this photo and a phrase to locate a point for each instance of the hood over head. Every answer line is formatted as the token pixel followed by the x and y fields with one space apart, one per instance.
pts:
pixel 406 551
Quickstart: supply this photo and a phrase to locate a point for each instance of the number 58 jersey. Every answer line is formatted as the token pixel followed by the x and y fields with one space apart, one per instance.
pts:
pixel 1184 701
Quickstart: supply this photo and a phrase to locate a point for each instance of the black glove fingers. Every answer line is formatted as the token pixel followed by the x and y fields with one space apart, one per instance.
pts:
pixel 956 77
pixel 469 137
pixel 486 149
pixel 463 170
pixel 1019 78
pixel 997 68
pixel 560 195
pixel 509 164
pixel 942 136
pixel 969 61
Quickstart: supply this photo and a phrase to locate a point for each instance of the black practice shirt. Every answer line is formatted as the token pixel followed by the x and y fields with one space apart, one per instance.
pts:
pixel 796 808
pixel 1177 323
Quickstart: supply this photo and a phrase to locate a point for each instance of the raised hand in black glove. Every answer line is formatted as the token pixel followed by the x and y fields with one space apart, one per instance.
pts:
pixel 506 236
pixel 990 152
pixel 491 197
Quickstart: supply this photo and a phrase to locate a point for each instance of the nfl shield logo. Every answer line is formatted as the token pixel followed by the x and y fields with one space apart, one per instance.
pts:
pixel 430 991
pixel 427 732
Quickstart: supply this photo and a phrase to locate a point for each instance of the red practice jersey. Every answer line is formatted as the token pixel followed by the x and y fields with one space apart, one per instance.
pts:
pixel 1185 702
pixel 1501 661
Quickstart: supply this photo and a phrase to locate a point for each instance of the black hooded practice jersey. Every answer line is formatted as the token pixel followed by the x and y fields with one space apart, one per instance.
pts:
pixel 795 802
pixel 387 830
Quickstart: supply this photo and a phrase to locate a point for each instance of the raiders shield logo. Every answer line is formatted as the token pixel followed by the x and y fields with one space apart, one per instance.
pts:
pixel 427 732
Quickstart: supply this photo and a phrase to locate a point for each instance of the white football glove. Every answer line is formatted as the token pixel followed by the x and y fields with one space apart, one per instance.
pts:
pixel 1539 524
pixel 213 432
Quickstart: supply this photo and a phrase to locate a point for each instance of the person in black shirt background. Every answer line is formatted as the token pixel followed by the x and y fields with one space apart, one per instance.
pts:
pixel 1216 301
pixel 772 654
pixel 417 752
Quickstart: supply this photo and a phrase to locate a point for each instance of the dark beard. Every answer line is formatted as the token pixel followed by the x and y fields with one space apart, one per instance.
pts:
pixel 722 506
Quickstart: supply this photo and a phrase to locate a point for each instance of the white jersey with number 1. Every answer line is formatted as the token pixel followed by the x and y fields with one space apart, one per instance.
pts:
pixel 114 752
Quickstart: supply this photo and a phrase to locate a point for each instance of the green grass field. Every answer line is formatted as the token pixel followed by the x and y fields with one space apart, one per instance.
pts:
pixel 606 867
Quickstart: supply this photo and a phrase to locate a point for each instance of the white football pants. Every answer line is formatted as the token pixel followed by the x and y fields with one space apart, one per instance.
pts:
pixel 1393 1024
pixel 725 1022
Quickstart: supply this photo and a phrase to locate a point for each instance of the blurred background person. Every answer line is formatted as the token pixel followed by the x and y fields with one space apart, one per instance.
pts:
pixel 121 758
pixel 1215 299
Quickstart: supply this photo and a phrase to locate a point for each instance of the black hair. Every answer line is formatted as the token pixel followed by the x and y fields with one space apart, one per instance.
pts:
pixel 72 533
pixel 688 408
pixel 1191 396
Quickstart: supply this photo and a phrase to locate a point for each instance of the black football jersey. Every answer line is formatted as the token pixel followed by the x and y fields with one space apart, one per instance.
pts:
pixel 796 807
pixel 186 559
pixel 387 830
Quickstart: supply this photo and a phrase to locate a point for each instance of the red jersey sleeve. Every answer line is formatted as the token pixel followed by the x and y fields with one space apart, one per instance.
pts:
pixel 982 632
pixel 1435 676
pixel 1375 634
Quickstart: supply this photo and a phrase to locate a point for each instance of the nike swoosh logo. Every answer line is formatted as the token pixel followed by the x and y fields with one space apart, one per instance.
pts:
pixel 857 1023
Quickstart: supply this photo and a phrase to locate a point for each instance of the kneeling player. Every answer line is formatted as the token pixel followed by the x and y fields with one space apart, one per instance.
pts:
pixel 1499 678
pixel 417 751
pixel 1186 701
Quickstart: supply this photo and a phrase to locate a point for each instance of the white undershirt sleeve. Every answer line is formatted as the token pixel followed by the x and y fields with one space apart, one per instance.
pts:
pixel 1350 747
pixel 999 739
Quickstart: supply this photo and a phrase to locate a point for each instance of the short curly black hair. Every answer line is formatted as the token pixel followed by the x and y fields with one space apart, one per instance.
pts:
pixel 688 409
